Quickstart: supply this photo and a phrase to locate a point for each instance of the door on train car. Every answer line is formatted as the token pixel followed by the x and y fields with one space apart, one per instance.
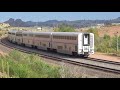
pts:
pixel 86 43
pixel 86 39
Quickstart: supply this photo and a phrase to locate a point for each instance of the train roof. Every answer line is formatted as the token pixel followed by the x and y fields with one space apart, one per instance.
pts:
pixel 47 33
pixel 37 33
pixel 66 33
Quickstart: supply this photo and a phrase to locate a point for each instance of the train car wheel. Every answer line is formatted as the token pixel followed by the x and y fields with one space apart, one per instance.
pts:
pixel 74 53
pixel 48 49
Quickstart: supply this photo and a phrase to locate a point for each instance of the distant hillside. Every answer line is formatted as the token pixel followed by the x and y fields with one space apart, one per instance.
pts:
pixel 111 31
pixel 51 23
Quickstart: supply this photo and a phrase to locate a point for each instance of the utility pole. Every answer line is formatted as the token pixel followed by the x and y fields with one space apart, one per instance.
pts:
pixel 18 26
pixel 117 41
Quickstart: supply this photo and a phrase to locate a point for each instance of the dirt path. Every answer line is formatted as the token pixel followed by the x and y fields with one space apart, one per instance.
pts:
pixel 2 53
pixel 3 49
pixel 105 56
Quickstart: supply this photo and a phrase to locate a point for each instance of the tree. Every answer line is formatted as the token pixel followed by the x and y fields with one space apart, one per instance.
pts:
pixel 64 28
pixel 95 31
pixel 106 37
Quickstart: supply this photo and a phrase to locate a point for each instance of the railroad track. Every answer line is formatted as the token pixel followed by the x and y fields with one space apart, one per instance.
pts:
pixel 91 61
pixel 105 61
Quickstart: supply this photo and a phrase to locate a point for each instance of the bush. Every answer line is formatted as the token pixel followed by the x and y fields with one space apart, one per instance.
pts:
pixel 105 44
pixel 28 66
pixel 64 28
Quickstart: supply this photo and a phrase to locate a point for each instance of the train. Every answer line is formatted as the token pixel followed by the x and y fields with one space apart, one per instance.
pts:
pixel 70 43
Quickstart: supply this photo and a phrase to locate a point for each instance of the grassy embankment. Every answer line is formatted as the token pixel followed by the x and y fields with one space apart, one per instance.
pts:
pixel 21 65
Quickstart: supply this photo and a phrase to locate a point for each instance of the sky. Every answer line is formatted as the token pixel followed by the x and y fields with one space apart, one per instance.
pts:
pixel 71 16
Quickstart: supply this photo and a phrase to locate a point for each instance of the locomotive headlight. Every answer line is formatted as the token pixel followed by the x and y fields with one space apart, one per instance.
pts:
pixel 85 48
pixel 91 50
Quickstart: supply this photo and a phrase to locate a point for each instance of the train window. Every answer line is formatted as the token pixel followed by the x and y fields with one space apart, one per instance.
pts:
pixel 18 34
pixel 13 33
pixel 65 46
pixel 86 39
pixel 66 37
pixel 24 34
pixel 44 45
pixel 60 47
pixel 9 33
pixel 31 35
pixel 75 48
pixel 60 37
pixel 36 35
pixel 75 38
pixel 69 48
pixel 42 36
pixel 49 44
pixel 72 38
pixel 69 38
pixel 63 37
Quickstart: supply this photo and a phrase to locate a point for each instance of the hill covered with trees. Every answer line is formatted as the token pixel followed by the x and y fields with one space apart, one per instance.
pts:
pixel 52 23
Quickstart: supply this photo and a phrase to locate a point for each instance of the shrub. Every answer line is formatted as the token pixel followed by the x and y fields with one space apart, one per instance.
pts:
pixel 64 28
pixel 22 65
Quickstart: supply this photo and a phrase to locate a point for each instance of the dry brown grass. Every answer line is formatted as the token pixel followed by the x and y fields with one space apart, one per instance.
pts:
pixel 111 30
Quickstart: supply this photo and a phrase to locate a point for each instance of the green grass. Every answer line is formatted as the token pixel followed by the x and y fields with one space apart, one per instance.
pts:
pixel 23 65
pixel 64 28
